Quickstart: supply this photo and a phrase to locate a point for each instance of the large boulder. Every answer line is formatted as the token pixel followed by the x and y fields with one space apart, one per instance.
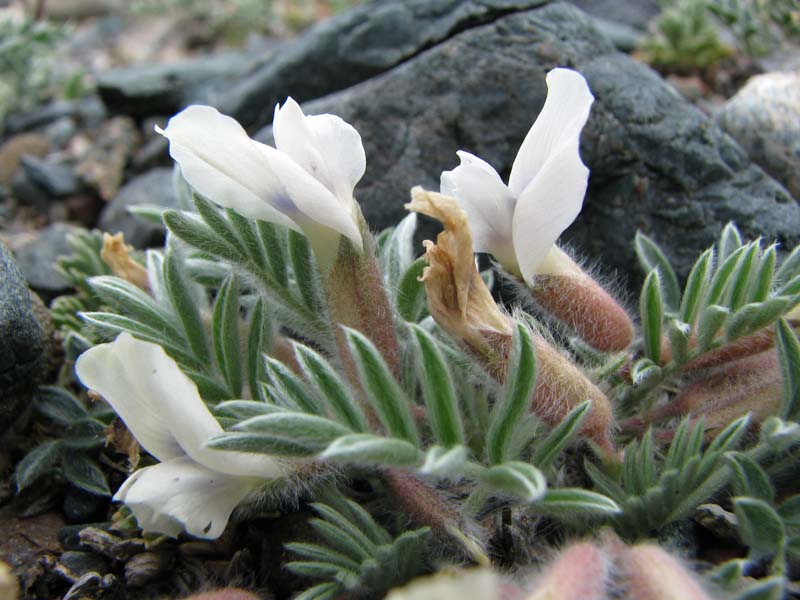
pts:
pixel 376 37
pixel 657 163
pixel 25 344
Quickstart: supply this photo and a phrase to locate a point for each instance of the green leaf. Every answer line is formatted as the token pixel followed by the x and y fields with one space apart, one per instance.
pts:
pixel 790 511
pixel 678 335
pixel 38 462
pixel 722 278
pixel 58 404
pixel 763 277
pixel 760 526
pixel 259 341
pixel 397 253
pixel 84 433
pixel 128 299
pixel 729 438
pixel 438 390
pixel 245 409
pixel 248 236
pixel 186 306
pixel 515 401
pixel 364 448
pixel 696 286
pixel 322 553
pixel 259 443
pixel 382 389
pixel 113 324
pixel 755 316
pixel 771 588
pixel 274 240
pixel 444 462
pixel 305 271
pixel 561 436
pixel 790 267
pixel 652 258
pixel 194 232
pixel 517 479
pixel 225 325
pixel 411 297
pixel 214 218
pixel 652 312
pixel 83 472
pixel 742 277
pixel 712 318
pixel 337 395
pixel 322 591
pixel 644 372
pixel 749 479
pixel 308 430
pixel 579 501
pixel 789 352
pixel 291 390
pixel 730 240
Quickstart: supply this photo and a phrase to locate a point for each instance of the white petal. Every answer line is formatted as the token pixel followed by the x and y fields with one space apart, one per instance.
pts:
pixel 564 114
pixel 220 161
pixel 549 204
pixel 313 200
pixel 488 203
pixel 161 405
pixel 181 494
pixel 325 146
pixel 107 370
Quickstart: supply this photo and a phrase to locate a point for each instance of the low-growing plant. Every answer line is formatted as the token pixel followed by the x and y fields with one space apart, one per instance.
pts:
pixel 276 351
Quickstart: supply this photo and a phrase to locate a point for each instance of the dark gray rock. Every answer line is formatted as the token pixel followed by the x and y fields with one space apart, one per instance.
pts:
pixel 764 117
pixel 89 111
pixel 377 36
pixel 166 88
pixel 27 193
pixel 153 187
pixel 58 180
pixel 81 506
pixel 78 563
pixel 24 341
pixel 37 258
pixel 657 163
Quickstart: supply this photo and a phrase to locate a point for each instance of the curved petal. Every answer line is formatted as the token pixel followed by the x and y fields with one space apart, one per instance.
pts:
pixel 549 204
pixel 220 161
pixel 312 199
pixel 564 114
pixel 325 146
pixel 162 407
pixel 488 203
pixel 105 369
pixel 181 494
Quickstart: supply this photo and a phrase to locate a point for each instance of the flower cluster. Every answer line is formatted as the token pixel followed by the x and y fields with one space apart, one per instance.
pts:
pixel 306 183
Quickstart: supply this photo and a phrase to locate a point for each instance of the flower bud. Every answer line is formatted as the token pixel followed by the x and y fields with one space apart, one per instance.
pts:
pixel 462 305
pixel 752 384
pixel 650 573
pixel 573 297
pixel 579 571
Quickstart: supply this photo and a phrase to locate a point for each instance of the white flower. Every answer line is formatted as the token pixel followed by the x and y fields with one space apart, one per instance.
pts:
pixel 193 487
pixel 305 183
pixel 519 223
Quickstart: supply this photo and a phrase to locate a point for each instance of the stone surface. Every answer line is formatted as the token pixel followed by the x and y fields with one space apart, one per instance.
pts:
pixel 81 506
pixel 166 88
pixel 24 341
pixel 153 187
pixel 56 179
pixel 657 163
pixel 37 257
pixel 764 117
pixel 377 36
pixel 14 148
pixel 78 563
